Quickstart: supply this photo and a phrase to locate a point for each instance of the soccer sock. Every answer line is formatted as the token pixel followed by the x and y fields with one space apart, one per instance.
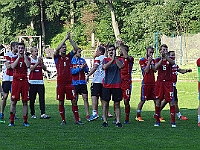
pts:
pixel 178 114
pixel 127 112
pixel 94 112
pixel 75 111
pixel 139 113
pixel 62 112
pixel 198 118
pixel 25 118
pixel 172 113
pixel 12 117
pixel 157 113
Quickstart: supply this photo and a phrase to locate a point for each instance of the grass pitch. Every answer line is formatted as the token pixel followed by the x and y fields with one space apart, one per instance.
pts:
pixel 48 134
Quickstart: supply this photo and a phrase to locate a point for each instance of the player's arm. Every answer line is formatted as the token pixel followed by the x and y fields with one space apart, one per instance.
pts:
pixel 75 47
pixel 171 61
pixel 85 68
pixel 106 65
pixel 94 68
pixel 158 64
pixel 183 71
pixel 61 44
pixel 14 64
pixel 27 61
pixel 75 70
pixel 32 67
pixel 148 67
pixel 119 63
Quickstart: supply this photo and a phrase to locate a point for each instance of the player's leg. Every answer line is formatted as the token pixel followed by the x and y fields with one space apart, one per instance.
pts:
pixel 139 111
pixel 3 104
pixel 60 96
pixel 96 90
pixel 178 113
pixel 71 95
pixel 172 113
pixel 15 95
pixel 41 93
pixel 159 96
pixel 126 94
pixel 25 112
pixel 6 86
pixel 25 99
pixel 169 96
pixel 84 93
pixel 12 112
pixel 32 93
pixel 117 97
pixel 106 96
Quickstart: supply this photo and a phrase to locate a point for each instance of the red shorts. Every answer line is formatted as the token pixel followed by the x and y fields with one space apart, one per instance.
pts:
pixel 20 87
pixel 148 92
pixel 126 89
pixel 164 90
pixel 69 90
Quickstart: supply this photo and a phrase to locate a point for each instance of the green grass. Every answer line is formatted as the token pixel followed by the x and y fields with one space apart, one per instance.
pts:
pixel 48 134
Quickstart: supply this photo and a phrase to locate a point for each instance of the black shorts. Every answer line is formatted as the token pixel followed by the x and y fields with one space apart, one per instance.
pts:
pixel 6 86
pixel 81 89
pixel 115 92
pixel 96 89
pixel 175 94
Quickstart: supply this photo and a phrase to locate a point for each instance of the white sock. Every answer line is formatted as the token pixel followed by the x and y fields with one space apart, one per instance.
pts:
pixel 139 111
pixel 94 112
pixel 198 118
pixel 178 114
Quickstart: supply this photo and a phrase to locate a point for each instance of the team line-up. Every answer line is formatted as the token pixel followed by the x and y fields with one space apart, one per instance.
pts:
pixel 111 80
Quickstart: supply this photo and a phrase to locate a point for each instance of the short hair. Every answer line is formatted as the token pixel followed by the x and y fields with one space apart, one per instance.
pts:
pixel 126 47
pixel 13 44
pixel 111 45
pixel 102 49
pixel 171 52
pixel 163 45
pixel 149 47
pixel 32 49
pixel 21 43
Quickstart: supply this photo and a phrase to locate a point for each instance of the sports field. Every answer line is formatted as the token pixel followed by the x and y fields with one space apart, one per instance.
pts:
pixel 48 134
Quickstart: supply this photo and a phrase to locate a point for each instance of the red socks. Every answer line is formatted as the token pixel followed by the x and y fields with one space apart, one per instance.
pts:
pixel 75 111
pixel 62 112
pixel 157 113
pixel 127 112
pixel 172 113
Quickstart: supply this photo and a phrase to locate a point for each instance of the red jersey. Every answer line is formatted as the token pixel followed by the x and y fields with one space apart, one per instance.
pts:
pixel 20 71
pixel 148 78
pixel 164 70
pixel 63 66
pixel 36 76
pixel 127 69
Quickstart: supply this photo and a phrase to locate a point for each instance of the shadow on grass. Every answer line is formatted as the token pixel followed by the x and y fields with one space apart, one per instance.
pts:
pixel 48 134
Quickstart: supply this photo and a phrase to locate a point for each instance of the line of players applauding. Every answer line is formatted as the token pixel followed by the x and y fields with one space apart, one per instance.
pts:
pixel 112 77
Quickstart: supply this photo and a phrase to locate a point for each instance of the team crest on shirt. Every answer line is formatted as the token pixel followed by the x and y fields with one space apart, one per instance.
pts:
pixel 66 58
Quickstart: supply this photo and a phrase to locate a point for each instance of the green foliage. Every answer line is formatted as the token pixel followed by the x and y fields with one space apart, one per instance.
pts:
pixel 137 20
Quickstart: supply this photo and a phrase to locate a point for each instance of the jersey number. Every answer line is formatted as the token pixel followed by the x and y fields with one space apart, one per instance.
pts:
pixel 164 67
pixel 20 64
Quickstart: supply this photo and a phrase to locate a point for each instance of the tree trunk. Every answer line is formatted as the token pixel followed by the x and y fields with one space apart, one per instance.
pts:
pixel 42 23
pixel 114 22
pixel 72 12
